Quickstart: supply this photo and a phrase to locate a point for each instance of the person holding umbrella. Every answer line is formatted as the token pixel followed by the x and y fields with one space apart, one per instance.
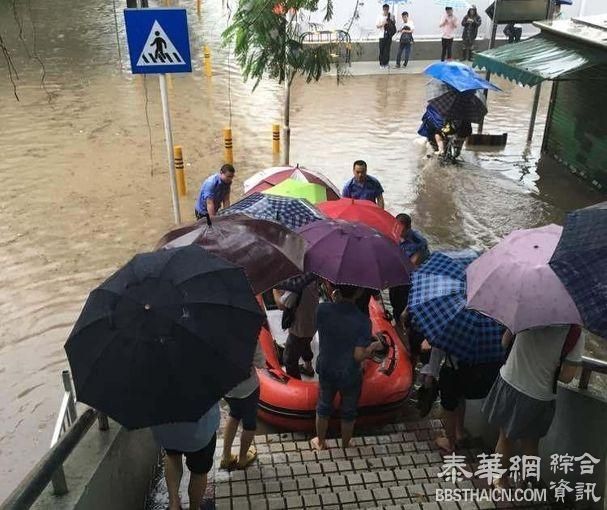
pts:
pixel 471 22
pixel 522 400
pixel 159 343
pixel 196 442
pixel 449 25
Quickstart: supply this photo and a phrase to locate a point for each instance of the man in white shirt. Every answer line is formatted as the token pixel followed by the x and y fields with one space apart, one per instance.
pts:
pixel 449 24
pixel 382 24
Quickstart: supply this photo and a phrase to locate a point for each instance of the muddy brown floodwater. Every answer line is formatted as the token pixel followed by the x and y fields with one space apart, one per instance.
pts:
pixel 84 183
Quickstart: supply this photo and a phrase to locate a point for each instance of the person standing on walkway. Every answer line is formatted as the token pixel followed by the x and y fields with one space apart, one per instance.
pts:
pixel 448 24
pixel 302 305
pixel 344 343
pixel 386 28
pixel 195 441
pixel 406 40
pixel 471 22
pixel 243 400
pixel 215 192
pixel 363 186
pixel 522 400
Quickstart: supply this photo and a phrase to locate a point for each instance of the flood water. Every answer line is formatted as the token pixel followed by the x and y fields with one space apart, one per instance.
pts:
pixel 84 183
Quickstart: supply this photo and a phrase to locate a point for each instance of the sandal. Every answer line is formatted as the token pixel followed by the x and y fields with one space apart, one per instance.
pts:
pixel 251 456
pixel 229 463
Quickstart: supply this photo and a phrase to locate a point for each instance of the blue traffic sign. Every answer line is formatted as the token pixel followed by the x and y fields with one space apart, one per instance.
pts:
pixel 158 40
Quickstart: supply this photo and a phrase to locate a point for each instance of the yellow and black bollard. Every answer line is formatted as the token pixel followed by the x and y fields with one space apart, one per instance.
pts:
pixel 198 7
pixel 228 154
pixel 206 52
pixel 275 138
pixel 180 170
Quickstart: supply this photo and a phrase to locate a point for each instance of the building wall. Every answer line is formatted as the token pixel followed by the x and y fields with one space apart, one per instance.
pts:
pixel 426 15
pixel 576 130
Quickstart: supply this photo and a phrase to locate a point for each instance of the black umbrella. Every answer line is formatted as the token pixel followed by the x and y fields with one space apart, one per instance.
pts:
pixel 580 261
pixel 165 337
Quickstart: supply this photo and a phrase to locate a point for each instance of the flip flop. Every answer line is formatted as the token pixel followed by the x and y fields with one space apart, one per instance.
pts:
pixel 251 456
pixel 229 463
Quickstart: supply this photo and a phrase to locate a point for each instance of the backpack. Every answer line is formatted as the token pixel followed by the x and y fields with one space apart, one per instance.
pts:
pixel 390 29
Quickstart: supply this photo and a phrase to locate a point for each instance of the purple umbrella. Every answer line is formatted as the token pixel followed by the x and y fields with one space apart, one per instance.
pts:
pixel 514 284
pixel 354 254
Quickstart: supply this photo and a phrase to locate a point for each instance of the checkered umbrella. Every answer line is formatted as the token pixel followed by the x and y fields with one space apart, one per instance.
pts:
pixel 455 105
pixel 437 303
pixel 291 212
pixel 580 262
pixel 436 88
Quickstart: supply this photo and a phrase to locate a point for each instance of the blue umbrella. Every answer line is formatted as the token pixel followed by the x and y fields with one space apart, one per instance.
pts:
pixel 460 76
pixel 437 303
pixel 564 2
pixel 580 262
pixel 290 212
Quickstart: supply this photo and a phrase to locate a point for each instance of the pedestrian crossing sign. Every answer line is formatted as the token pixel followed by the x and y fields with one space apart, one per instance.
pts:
pixel 158 40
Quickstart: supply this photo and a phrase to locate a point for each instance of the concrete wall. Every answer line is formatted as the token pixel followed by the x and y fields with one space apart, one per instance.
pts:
pixel 427 49
pixel 579 427
pixel 111 469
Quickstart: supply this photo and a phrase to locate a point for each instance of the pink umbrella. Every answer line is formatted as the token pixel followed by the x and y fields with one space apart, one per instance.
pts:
pixel 513 283
pixel 269 177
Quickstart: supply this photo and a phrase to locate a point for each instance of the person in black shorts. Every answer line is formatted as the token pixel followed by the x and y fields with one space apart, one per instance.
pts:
pixel 243 400
pixel 457 382
pixel 195 441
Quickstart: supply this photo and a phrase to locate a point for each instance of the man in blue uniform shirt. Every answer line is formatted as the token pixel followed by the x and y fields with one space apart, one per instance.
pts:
pixel 215 192
pixel 363 186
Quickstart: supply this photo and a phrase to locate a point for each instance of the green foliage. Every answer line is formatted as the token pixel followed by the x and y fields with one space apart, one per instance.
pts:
pixel 267 40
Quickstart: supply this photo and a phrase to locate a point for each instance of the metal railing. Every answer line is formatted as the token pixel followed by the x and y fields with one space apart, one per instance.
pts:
pixel 65 419
pixel 590 365
pixel 69 430
pixel 340 39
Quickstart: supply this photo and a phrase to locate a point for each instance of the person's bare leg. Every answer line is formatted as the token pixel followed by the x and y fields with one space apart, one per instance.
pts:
pixel 322 425
pixel 347 430
pixel 505 447
pixel 246 438
pixel 229 433
pixel 460 414
pixel 440 143
pixel 173 471
pixel 196 490
pixel 447 443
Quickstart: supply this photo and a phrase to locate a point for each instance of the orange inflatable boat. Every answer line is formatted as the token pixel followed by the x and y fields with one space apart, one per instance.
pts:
pixel 290 404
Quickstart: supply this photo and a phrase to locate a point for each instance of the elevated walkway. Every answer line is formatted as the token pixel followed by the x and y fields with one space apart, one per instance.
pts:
pixel 393 467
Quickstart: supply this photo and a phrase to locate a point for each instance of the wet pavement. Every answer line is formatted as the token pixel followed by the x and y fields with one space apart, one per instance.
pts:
pixel 84 183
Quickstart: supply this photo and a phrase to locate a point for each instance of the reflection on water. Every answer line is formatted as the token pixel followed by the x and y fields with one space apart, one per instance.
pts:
pixel 84 180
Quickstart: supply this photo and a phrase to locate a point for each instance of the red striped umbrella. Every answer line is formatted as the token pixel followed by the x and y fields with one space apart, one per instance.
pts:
pixel 269 177
pixel 363 211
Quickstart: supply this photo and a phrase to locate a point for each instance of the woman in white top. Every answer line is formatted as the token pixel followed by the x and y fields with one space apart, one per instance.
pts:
pixel 522 400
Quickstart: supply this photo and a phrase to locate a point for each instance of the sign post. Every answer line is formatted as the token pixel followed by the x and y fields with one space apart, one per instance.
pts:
pixel 159 44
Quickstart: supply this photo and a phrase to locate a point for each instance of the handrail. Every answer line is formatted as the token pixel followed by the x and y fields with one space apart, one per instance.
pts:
pixel 590 365
pixel 38 478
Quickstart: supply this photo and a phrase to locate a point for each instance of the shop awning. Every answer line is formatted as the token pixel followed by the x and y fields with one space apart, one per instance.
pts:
pixel 539 58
